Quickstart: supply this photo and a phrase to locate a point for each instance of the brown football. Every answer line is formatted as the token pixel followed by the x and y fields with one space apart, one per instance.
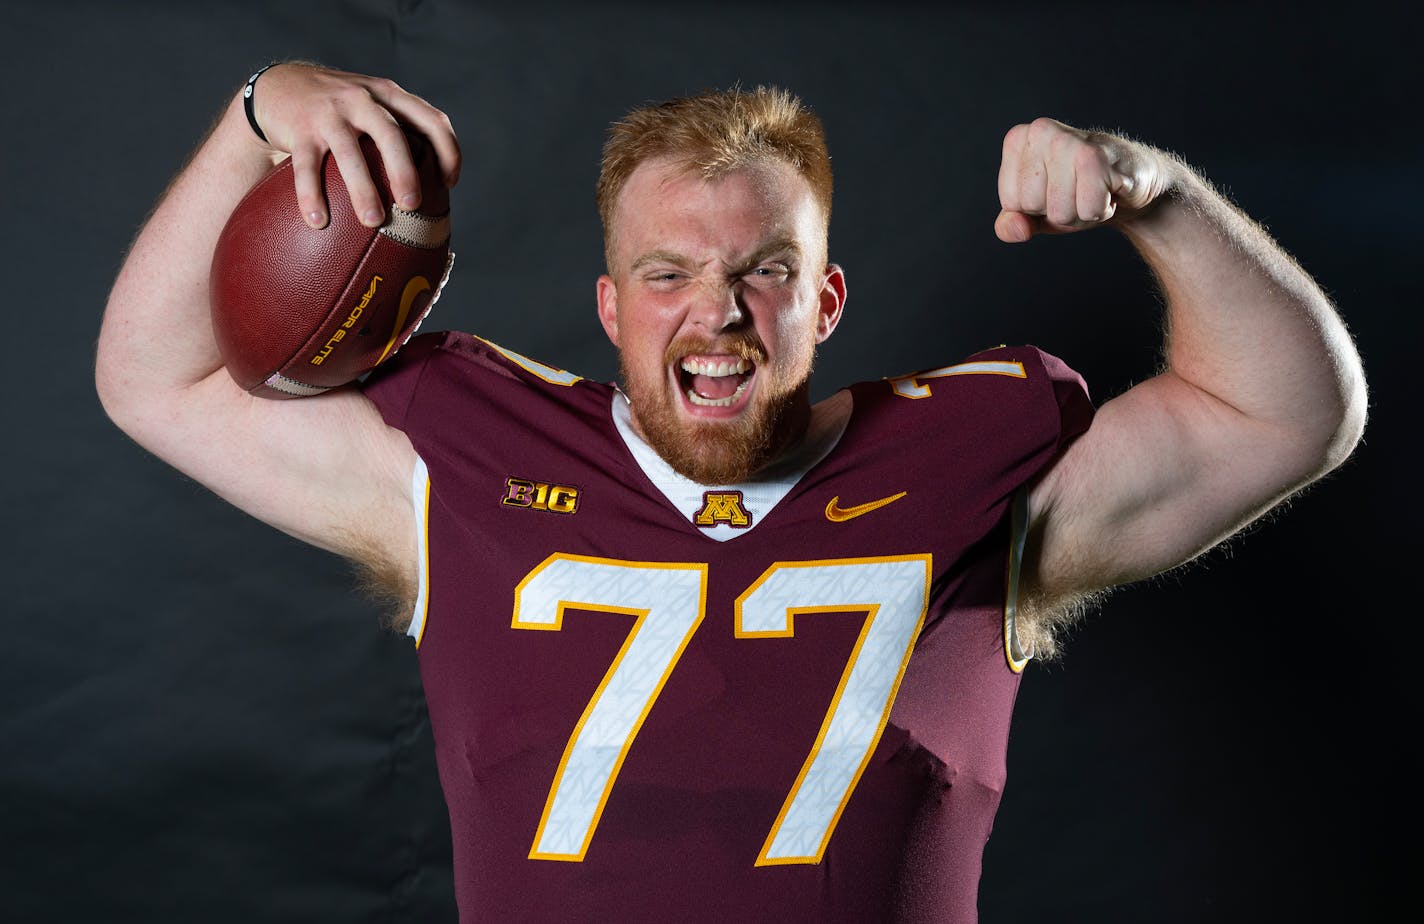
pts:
pixel 298 311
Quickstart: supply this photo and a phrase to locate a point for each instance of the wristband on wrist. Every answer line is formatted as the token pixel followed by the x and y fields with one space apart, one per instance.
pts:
pixel 247 100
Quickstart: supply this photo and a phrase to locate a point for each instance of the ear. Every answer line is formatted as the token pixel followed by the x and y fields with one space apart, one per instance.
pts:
pixel 608 307
pixel 832 301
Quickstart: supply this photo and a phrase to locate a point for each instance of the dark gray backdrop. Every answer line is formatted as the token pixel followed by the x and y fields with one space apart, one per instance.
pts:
pixel 200 722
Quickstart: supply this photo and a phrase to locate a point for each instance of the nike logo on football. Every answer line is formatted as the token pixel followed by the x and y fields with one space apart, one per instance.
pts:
pixel 417 285
pixel 840 514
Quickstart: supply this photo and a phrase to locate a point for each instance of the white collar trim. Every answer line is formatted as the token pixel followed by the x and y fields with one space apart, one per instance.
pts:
pixel 759 494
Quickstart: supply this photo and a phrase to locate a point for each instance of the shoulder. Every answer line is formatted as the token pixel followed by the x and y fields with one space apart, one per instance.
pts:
pixel 1017 362
pixel 459 349
pixel 1020 386
pixel 452 365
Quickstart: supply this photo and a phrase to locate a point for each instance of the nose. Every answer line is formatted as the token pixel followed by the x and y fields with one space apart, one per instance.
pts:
pixel 716 306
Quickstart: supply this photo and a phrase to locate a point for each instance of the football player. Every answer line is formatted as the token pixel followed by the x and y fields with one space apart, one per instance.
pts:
pixel 695 648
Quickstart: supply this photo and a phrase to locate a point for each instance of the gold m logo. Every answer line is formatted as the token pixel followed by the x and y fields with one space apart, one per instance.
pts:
pixel 722 507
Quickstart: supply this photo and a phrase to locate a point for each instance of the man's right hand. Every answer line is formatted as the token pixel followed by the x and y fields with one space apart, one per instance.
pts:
pixel 307 111
pixel 326 469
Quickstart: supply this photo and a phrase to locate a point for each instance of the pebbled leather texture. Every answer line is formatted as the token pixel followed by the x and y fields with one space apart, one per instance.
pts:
pixel 322 307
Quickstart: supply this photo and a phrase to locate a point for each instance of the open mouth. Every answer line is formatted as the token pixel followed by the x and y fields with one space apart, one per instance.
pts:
pixel 715 381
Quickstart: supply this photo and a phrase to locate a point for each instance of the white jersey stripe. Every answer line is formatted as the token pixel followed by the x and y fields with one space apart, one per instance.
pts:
pixel 420 497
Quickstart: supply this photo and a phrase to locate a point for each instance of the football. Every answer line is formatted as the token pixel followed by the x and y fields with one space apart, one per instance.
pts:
pixel 298 311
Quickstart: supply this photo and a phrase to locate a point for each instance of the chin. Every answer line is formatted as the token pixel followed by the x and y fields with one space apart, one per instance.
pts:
pixel 711 450
pixel 711 453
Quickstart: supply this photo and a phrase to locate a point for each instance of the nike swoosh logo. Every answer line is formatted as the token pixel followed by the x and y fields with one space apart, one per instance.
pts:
pixel 413 288
pixel 841 514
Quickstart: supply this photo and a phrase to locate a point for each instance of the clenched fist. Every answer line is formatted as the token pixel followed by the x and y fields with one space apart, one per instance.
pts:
pixel 1055 179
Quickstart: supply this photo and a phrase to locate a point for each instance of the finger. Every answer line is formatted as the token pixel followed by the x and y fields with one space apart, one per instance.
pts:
pixel 1094 193
pixel 1033 183
pixel 434 125
pixel 306 173
pixel 1060 195
pixel 1009 197
pixel 396 157
pixel 1043 141
pixel 441 135
pixel 359 186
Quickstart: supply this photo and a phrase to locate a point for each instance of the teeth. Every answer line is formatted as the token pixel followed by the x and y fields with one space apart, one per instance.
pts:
pixel 702 367
pixel 694 398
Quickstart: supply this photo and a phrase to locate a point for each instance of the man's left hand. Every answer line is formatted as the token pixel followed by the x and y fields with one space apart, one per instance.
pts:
pixel 1055 179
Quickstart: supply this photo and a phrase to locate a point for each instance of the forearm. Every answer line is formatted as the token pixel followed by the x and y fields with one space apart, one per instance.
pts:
pixel 1246 325
pixel 157 336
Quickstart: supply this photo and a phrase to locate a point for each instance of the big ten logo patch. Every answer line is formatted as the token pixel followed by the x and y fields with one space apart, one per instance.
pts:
pixel 537 495
pixel 722 507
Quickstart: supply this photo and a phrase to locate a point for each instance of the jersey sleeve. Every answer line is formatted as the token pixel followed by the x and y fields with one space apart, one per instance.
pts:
pixel 392 386
pixel 1069 390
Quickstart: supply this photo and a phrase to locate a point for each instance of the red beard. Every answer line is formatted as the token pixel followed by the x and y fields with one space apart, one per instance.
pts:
pixel 716 452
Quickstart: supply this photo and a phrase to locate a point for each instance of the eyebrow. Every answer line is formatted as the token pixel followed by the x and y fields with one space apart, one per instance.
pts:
pixel 660 256
pixel 787 246
pixel 784 245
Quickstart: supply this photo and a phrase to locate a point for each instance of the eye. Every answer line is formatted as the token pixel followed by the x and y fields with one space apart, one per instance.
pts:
pixel 663 279
pixel 768 273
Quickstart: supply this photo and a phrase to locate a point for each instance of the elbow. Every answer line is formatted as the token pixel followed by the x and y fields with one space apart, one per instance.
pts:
pixel 1349 423
pixel 118 380
pixel 1349 403
pixel 1330 436
pixel 108 382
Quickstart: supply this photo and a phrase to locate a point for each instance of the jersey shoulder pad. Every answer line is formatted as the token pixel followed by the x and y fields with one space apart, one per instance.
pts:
pixel 517 363
pixel 1020 381
pixel 1034 359
pixel 450 365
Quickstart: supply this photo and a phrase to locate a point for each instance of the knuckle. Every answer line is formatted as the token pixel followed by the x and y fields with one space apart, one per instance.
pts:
pixel 344 93
pixel 347 156
pixel 386 129
pixel 1089 157
pixel 1042 126
pixel 1014 138
pixel 305 155
pixel 349 98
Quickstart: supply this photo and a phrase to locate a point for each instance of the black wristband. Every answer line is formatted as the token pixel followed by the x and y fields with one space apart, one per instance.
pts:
pixel 247 101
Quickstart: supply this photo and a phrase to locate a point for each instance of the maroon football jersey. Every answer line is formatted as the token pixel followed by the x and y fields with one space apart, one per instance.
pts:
pixel 638 720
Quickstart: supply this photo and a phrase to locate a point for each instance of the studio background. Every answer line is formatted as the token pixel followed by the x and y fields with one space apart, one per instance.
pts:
pixel 201 721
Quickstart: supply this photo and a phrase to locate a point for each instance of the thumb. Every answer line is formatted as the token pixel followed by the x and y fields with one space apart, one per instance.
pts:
pixel 1124 190
pixel 1014 227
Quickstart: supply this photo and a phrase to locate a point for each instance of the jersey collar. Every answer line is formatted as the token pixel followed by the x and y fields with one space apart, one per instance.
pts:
pixel 718 504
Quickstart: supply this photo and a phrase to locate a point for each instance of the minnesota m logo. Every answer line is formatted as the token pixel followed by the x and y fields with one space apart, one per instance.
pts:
pixel 722 507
